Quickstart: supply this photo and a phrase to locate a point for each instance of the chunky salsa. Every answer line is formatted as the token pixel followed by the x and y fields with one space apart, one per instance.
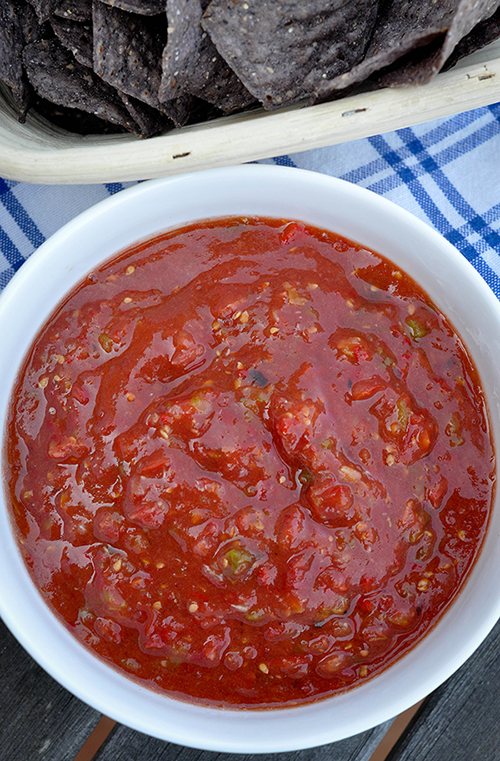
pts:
pixel 249 462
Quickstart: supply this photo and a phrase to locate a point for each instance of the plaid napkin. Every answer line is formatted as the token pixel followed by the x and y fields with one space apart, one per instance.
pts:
pixel 446 172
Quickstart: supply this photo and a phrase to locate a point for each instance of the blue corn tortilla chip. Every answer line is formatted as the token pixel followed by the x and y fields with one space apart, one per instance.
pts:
pixel 127 55
pixel 76 36
pixel 148 65
pixel 483 34
pixel 74 120
pixel 469 14
pixel 192 64
pixel 414 39
pixel 75 10
pixel 18 26
pixel 44 9
pixel 31 27
pixel 141 7
pixel 281 50
pixel 128 50
pixel 11 47
pixel 422 65
pixel 181 110
pixel 150 121
pixel 57 77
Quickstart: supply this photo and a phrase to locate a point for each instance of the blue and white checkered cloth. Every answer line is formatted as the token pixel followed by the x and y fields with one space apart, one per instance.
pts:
pixel 446 172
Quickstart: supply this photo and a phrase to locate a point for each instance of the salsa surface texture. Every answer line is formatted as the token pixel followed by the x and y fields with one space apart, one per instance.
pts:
pixel 249 462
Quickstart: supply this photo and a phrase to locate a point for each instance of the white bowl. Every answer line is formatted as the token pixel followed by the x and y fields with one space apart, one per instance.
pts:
pixel 360 215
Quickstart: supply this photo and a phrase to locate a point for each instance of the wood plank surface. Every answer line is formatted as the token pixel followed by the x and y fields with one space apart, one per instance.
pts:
pixel 127 745
pixel 460 721
pixel 39 719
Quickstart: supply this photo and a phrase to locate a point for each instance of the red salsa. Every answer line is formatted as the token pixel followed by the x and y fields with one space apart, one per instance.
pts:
pixel 249 462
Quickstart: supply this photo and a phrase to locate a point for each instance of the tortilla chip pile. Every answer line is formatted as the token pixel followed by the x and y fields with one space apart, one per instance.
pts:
pixel 147 66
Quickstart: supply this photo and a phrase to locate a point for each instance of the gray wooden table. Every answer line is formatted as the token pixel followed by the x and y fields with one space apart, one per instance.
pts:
pixel 41 721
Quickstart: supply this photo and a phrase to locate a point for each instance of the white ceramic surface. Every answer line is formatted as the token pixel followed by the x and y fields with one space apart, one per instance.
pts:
pixel 362 216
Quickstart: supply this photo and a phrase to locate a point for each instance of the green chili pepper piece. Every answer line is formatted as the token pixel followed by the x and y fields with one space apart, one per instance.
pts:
pixel 239 560
pixel 417 329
